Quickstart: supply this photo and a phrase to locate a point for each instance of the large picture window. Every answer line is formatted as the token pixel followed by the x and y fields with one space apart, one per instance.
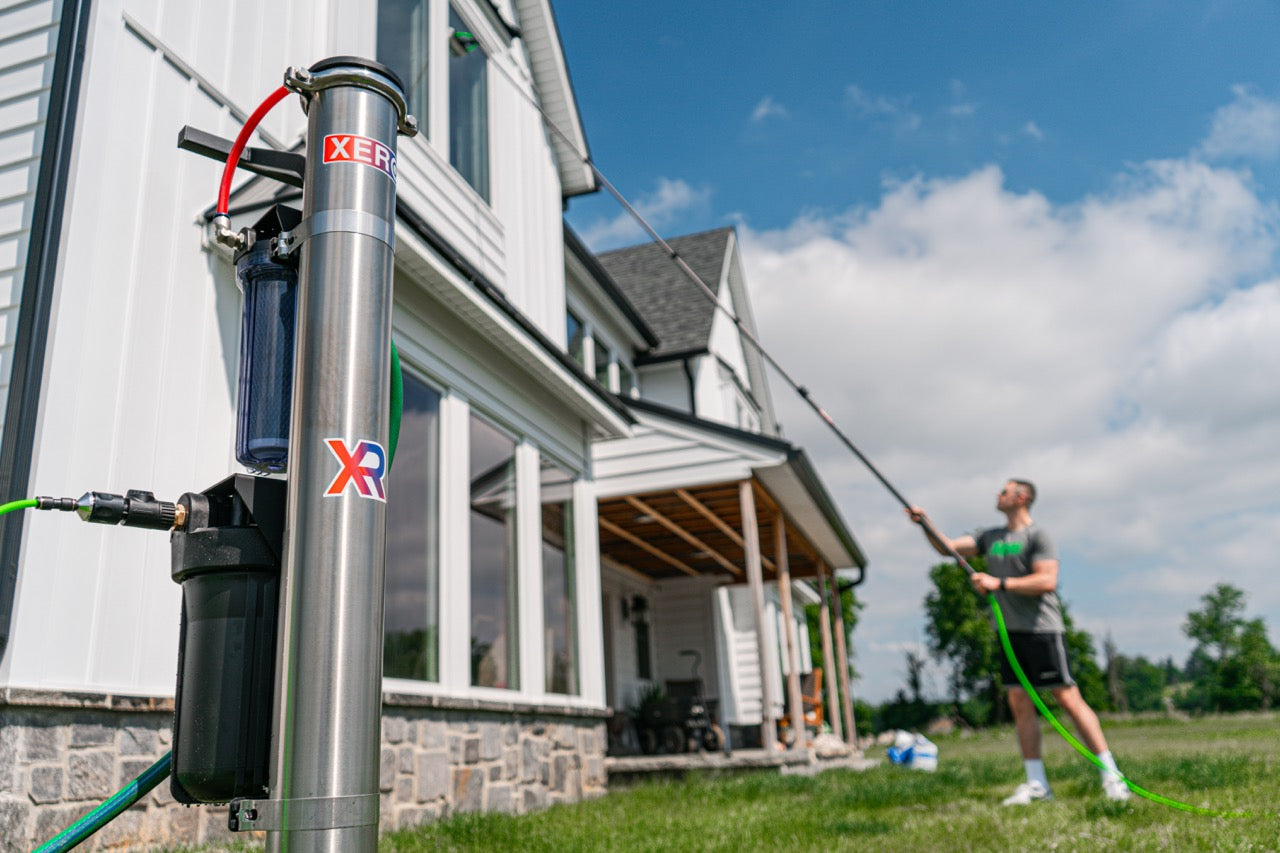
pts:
pixel 494 648
pixel 403 36
pixel 558 587
pixel 412 623
pixel 468 106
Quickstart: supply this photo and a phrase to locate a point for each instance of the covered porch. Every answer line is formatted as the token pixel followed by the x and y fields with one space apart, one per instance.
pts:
pixel 706 533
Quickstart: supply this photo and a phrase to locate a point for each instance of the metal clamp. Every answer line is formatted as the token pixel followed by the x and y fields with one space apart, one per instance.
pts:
pixel 305 813
pixel 304 82
pixel 327 221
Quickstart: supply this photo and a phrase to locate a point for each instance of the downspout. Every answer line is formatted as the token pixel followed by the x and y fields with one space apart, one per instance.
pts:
pixel 693 398
pixel 38 284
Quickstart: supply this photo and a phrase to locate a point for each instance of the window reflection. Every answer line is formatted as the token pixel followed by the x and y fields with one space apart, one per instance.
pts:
pixel 403 37
pixel 411 632
pixel 468 106
pixel 494 650
pixel 558 594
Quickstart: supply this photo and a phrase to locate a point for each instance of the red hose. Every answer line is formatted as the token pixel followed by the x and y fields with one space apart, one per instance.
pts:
pixel 224 189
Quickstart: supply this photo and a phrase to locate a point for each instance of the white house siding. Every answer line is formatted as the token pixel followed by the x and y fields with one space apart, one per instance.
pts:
pixel 684 619
pixel 716 391
pixel 139 381
pixel 28 44
pixel 666 384
pixel 740 685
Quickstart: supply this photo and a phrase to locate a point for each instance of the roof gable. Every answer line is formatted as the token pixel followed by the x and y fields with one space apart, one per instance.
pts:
pixel 677 310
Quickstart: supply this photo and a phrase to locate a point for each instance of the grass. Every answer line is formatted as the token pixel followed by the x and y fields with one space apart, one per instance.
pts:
pixel 1220 762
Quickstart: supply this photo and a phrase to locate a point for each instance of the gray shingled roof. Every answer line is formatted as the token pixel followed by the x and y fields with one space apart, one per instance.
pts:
pixel 677 310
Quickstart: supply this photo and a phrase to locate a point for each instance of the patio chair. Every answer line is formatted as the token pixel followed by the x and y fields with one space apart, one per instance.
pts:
pixel 810 700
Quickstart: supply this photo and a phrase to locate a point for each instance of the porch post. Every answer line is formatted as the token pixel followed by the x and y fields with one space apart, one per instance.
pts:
pixel 842 660
pixel 794 703
pixel 755 579
pixel 828 656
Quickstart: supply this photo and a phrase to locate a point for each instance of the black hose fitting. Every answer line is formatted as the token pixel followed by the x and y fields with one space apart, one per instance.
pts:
pixel 135 509
pixel 62 504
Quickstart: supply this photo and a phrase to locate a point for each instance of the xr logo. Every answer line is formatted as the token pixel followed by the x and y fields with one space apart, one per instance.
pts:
pixel 367 478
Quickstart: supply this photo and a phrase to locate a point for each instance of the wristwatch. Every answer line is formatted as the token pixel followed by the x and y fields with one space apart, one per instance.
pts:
pixel 1003 586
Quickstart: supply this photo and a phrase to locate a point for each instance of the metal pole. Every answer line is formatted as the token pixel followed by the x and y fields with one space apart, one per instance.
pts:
pixel 326 739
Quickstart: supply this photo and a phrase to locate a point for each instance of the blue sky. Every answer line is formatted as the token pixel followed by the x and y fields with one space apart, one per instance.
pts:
pixel 995 240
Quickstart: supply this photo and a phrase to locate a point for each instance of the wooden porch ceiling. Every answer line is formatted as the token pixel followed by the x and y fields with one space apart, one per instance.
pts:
pixel 695 532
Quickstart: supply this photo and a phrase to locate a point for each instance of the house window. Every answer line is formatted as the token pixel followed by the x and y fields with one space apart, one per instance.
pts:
pixel 494 649
pixel 603 356
pixel 412 623
pixel 626 380
pixel 403 36
pixel 468 106
pixel 558 584
pixel 575 335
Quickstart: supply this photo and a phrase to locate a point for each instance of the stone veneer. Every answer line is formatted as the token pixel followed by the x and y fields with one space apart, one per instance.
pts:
pixel 62 754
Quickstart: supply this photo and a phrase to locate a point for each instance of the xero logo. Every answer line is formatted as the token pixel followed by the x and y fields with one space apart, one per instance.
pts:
pixel 363 466
pixel 350 148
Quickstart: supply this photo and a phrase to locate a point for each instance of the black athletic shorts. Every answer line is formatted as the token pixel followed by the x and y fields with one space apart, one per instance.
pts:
pixel 1042 656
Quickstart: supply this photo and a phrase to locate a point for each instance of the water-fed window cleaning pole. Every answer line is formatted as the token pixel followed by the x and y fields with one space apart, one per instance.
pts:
pixel 328 708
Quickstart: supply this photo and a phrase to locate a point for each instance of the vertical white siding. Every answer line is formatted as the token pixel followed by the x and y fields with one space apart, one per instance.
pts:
pixel 139 380
pixel 28 43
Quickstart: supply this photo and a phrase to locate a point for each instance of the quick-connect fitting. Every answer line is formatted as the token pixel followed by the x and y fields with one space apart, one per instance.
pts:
pixel 134 509
pixel 223 234
pixel 61 504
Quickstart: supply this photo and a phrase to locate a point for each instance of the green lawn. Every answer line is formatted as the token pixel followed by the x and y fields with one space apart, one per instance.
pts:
pixel 1221 762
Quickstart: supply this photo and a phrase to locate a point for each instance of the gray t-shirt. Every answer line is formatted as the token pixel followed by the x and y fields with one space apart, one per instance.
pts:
pixel 1010 554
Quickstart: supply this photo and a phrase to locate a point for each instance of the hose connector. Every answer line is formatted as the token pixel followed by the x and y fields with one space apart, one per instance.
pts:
pixel 223 234
pixel 134 509
pixel 61 504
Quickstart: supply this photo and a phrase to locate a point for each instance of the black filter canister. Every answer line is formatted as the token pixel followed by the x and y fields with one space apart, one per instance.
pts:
pixel 228 562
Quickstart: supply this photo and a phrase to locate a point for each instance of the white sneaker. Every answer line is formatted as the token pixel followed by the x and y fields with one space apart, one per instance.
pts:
pixel 1114 788
pixel 1028 793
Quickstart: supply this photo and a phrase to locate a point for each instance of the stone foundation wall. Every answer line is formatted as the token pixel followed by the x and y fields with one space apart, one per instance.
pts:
pixel 61 755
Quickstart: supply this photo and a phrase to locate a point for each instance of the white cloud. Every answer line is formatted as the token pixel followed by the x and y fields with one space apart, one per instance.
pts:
pixel 664 205
pixel 1122 351
pixel 766 108
pixel 1033 130
pixel 880 107
pixel 1249 127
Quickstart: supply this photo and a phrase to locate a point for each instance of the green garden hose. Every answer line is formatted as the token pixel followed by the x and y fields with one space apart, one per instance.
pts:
pixel 397 405
pixel 1081 748
pixel 15 505
pixel 105 813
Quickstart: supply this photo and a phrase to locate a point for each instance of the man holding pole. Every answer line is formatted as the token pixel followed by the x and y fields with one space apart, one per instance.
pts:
pixel 1022 572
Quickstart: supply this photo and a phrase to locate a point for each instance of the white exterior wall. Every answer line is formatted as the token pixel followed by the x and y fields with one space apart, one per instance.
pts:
pixel 140 378
pixel 27 54
pixel 665 384
pixel 716 393
pixel 684 619
pixel 627 684
pixel 740 678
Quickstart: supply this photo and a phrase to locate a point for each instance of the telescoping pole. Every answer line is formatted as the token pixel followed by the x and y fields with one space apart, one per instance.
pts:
pixel 328 705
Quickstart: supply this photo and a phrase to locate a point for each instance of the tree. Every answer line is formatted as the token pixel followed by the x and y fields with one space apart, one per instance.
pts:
pixel 1233 666
pixel 1084 663
pixel 1140 683
pixel 960 633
